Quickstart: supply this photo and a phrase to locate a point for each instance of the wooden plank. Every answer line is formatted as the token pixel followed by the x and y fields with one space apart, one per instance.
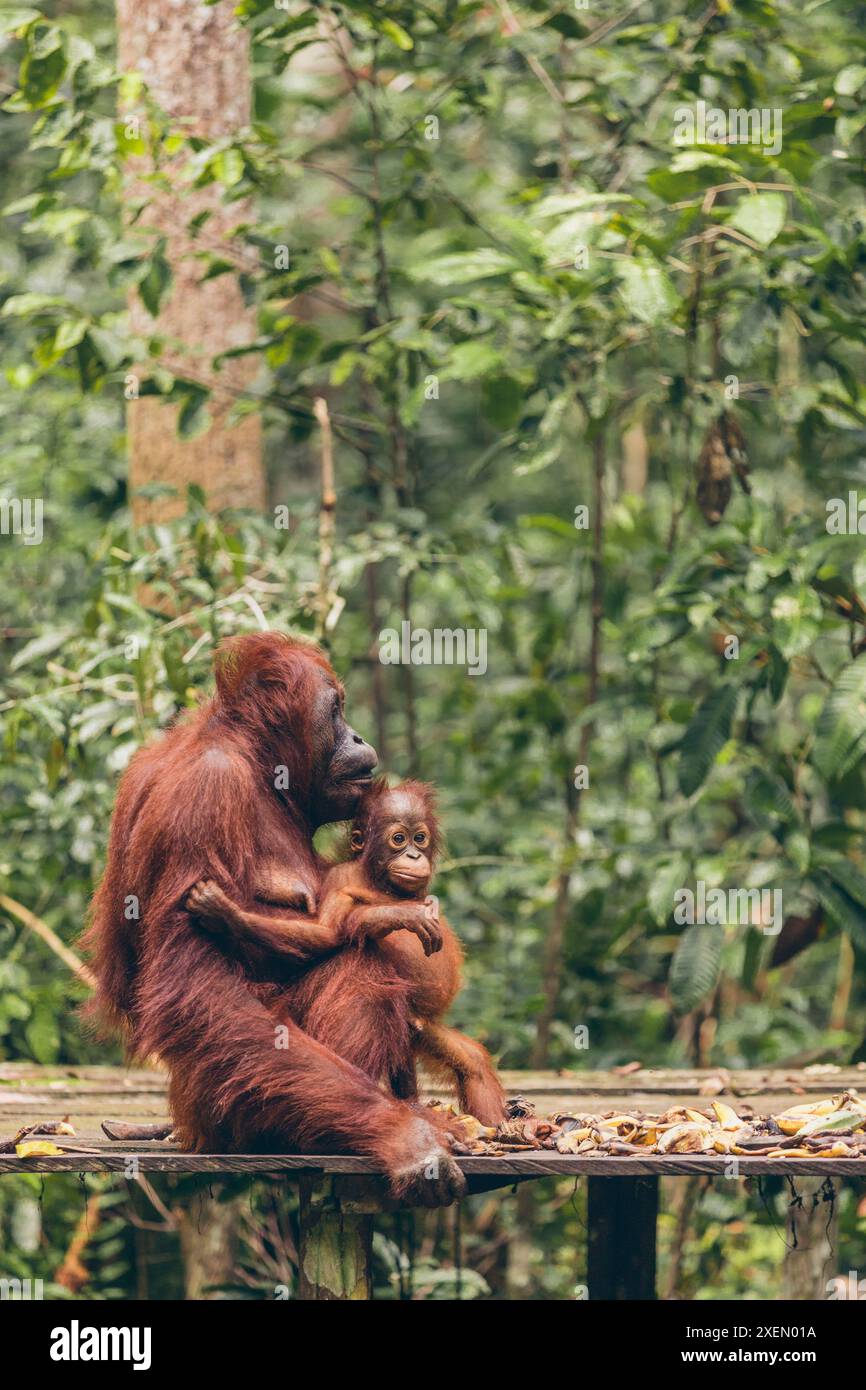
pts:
pixel 824 1079
pixel 33 1108
pixel 162 1158
pixel 621 1222
pixel 87 1116
pixel 76 1080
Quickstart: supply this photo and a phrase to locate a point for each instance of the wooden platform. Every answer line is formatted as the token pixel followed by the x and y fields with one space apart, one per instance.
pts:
pixel 89 1095
pixel 340 1196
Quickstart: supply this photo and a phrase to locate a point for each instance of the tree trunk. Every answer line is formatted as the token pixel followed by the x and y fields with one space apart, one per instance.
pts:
pixel 195 62
pixel 635 459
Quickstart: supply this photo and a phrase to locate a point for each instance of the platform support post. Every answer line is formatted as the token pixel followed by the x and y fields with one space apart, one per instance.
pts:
pixel 336 1235
pixel 621 1217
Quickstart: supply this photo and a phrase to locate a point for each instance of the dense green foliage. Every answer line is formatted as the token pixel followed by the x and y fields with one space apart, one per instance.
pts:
pixel 510 281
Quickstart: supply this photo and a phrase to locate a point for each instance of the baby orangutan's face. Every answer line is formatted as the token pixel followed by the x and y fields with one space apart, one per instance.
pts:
pixel 398 853
pixel 408 867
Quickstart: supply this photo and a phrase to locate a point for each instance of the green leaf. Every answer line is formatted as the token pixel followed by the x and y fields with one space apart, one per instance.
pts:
pixel 40 646
pixel 465 266
pixel 60 223
pixel 777 673
pixel 107 346
pixel 768 799
pixel 840 740
pixel 850 80
pixel 22 376
pixel 760 216
pixel 502 400
pixel 848 127
pixel 753 951
pixel 96 721
pixel 193 418
pixel 845 874
pixel 307 19
pixel 665 881
pixel 705 737
pixel 796 617
pixel 17 18
pixel 547 522
pixel 799 850
pixel 44 65
pixel 215 269
pixel 695 966
pixel 228 166
pixel 848 914
pixel 42 1036
pixel 25 204
pixel 23 305
pixel 396 33
pixel 566 24
pixel 647 292
pixel 471 360
pixel 687 160
pixel 155 283
pixel 70 332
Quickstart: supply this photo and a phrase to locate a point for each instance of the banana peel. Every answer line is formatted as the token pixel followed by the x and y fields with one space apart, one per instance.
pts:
pixel 726 1116
pixel 792 1121
pixel 474 1129
pixel 831 1127
pixel 37 1148
pixel 843 1122
pixel 684 1138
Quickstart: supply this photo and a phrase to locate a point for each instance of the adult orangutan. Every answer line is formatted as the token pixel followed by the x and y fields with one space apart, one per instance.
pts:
pixel 233 794
pixel 380 1001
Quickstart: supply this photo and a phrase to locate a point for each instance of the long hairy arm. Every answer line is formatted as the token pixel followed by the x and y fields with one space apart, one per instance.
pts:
pixel 258 940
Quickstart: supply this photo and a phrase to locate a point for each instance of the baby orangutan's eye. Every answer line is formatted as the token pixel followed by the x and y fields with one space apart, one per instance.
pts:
pixel 398 838
pixel 421 839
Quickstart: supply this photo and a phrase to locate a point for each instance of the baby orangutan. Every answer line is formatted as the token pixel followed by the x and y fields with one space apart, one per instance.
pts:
pixel 393 963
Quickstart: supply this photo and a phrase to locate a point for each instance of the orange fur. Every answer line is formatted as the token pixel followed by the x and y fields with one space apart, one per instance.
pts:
pixel 398 993
pixel 201 804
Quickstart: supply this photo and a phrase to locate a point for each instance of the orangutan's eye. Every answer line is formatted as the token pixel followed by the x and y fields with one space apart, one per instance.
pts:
pixel 398 838
pixel 421 838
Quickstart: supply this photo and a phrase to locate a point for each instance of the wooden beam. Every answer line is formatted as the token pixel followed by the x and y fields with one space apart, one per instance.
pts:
pixel 73 1079
pixel 336 1238
pixel 621 1219
pixel 506 1168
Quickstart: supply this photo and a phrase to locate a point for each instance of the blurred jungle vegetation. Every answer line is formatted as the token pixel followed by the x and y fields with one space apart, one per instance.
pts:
pixel 520 297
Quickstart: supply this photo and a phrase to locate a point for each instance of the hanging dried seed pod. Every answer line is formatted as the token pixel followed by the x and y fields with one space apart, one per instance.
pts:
pixel 723 452
pixel 735 443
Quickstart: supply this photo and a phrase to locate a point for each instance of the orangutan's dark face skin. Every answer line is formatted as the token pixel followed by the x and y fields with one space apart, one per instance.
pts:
pixel 344 762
